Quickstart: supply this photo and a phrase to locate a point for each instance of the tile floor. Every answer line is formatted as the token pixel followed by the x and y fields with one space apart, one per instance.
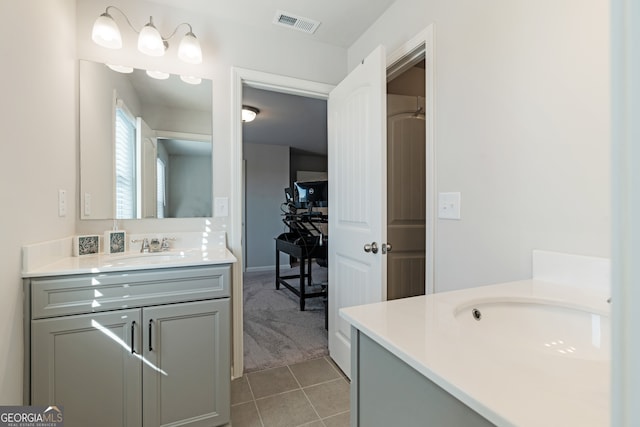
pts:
pixel 314 393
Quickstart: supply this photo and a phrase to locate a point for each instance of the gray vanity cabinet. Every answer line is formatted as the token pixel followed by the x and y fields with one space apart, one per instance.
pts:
pixel 186 372
pixel 84 363
pixel 386 391
pixel 159 353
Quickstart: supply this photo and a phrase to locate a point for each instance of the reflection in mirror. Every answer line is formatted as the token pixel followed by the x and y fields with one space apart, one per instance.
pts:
pixel 145 145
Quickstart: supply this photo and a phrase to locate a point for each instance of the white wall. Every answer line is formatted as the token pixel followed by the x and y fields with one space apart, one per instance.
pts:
pixel 267 175
pixel 37 155
pixel 522 128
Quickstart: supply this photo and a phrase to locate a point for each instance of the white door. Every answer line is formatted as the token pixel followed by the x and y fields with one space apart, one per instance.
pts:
pixel 357 196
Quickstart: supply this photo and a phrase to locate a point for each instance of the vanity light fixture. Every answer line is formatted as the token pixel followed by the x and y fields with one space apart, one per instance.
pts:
pixel 150 42
pixel 249 113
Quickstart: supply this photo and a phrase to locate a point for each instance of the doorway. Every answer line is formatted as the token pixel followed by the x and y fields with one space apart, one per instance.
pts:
pixel 285 143
pixel 320 91
pixel 406 179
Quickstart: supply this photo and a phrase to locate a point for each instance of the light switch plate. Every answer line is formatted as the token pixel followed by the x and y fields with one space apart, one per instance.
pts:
pixel 87 204
pixel 62 203
pixel 449 205
pixel 221 207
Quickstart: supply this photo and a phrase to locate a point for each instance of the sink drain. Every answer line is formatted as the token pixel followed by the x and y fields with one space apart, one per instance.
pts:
pixel 476 314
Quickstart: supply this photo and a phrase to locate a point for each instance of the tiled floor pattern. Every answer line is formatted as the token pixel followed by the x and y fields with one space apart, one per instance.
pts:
pixel 314 393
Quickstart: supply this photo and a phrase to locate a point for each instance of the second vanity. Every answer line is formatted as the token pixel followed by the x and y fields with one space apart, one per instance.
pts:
pixel 529 353
pixel 131 340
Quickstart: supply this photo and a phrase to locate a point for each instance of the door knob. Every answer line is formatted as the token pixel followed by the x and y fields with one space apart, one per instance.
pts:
pixel 386 247
pixel 373 247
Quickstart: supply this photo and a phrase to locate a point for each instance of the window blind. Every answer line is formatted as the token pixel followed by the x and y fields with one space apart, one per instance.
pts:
pixel 125 165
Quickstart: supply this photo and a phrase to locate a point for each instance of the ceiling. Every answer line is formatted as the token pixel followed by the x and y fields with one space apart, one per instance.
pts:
pixel 341 21
pixel 290 120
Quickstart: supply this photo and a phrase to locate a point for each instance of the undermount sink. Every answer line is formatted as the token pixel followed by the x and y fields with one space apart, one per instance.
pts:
pixel 551 327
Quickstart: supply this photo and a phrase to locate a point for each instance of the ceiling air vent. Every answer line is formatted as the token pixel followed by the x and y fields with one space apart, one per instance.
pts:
pixel 299 23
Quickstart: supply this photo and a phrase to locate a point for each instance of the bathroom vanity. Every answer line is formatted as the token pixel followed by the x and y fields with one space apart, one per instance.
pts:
pixel 388 391
pixel 139 340
pixel 529 353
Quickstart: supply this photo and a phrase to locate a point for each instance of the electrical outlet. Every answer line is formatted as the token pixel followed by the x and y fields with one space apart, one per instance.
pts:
pixel 62 203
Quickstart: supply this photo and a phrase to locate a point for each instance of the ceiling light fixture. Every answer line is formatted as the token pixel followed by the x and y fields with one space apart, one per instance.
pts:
pixel 249 113
pixel 150 42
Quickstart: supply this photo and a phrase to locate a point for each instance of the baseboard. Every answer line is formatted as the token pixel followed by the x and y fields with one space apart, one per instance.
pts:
pixel 266 268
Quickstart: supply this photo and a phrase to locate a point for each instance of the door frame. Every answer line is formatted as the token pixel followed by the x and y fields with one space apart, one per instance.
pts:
pixel 301 87
pixel 425 38
pixel 265 81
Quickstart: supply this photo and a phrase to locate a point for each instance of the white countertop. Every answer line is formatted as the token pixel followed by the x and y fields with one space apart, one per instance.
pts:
pixel 133 261
pixel 498 371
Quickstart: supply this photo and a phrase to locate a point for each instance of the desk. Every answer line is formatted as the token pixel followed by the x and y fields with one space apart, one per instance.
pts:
pixel 305 250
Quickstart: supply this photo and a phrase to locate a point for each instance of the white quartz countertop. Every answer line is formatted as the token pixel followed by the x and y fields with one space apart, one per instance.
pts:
pixel 530 370
pixel 133 261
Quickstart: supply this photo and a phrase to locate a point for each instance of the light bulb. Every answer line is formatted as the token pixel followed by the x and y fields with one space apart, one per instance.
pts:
pixel 189 50
pixel 106 32
pixel 150 41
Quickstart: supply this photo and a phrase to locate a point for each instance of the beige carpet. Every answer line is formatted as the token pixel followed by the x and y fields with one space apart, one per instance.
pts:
pixel 276 332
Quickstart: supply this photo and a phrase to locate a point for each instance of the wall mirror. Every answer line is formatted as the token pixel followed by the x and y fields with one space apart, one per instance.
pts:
pixel 145 144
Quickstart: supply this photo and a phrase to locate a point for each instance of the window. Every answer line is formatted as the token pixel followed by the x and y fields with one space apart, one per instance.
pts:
pixel 161 185
pixel 125 164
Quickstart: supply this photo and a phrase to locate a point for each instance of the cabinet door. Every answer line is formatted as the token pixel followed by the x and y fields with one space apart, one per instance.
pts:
pixel 186 374
pixel 85 364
